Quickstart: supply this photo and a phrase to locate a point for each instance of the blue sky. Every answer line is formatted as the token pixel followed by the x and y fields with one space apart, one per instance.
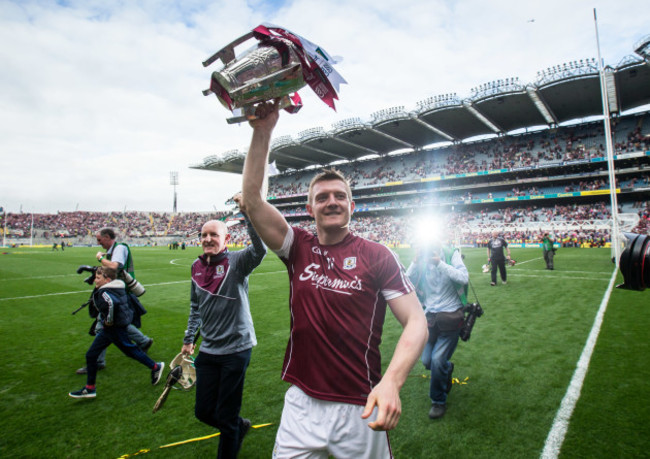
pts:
pixel 102 99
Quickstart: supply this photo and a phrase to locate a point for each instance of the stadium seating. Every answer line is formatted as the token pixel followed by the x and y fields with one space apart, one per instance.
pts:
pixel 520 183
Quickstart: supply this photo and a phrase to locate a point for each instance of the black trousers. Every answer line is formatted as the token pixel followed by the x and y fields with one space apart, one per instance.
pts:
pixel 120 337
pixel 219 389
pixel 501 264
pixel 548 258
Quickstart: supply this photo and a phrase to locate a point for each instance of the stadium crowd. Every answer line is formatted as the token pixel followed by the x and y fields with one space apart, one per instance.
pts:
pixel 532 150
pixel 473 225
pixel 583 142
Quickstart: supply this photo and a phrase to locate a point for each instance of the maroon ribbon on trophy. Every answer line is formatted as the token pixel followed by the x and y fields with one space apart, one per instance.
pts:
pixel 216 88
pixel 312 73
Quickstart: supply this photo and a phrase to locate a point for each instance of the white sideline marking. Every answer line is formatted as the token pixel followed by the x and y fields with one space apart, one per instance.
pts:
pixel 515 270
pixel 549 277
pixel 87 292
pixel 561 422
pixel 527 261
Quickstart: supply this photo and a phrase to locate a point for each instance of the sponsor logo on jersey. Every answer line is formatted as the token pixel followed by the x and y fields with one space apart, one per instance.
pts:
pixel 319 280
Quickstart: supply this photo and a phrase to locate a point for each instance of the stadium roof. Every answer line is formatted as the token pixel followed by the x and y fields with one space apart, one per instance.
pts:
pixel 560 94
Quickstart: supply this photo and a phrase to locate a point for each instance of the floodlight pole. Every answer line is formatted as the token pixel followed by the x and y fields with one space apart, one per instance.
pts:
pixel 173 180
pixel 610 150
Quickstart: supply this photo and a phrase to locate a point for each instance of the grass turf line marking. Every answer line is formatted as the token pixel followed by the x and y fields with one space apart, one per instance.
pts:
pixel 551 277
pixel 527 261
pixel 87 292
pixel 560 426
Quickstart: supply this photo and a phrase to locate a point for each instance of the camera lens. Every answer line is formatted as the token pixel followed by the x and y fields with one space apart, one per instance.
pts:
pixel 635 262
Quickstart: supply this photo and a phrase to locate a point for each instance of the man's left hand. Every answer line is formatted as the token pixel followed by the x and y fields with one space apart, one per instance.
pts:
pixel 385 396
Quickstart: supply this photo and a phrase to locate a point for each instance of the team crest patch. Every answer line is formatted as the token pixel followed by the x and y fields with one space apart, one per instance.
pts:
pixel 350 263
pixel 220 270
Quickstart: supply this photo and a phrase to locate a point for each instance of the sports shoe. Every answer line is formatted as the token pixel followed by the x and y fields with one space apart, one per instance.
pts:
pixel 450 381
pixel 504 282
pixel 146 347
pixel 84 392
pixel 84 370
pixel 493 284
pixel 244 427
pixel 437 410
pixel 157 374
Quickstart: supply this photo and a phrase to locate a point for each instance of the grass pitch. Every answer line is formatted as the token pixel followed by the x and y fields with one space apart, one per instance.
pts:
pixel 513 373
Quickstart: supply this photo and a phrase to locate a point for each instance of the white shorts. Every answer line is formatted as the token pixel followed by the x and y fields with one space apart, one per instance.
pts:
pixel 312 428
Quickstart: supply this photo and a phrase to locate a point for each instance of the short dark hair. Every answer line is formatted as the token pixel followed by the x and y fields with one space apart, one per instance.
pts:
pixel 108 273
pixel 110 232
pixel 329 174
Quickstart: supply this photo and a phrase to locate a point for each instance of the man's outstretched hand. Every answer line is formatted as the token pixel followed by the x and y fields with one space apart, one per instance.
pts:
pixel 267 114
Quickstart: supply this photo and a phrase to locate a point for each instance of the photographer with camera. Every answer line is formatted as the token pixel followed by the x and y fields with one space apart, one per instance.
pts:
pixel 497 258
pixel 440 278
pixel 549 250
pixel 118 257
pixel 110 304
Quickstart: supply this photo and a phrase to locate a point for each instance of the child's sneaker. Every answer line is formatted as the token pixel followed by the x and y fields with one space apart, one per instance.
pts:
pixel 83 393
pixel 157 373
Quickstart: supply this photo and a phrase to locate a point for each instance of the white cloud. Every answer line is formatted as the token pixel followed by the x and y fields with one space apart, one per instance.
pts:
pixel 101 100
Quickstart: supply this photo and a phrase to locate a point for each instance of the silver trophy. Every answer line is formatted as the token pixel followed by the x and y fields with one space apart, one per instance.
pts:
pixel 260 74
pixel 275 68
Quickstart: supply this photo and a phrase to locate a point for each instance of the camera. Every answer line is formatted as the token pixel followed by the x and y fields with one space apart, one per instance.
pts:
pixel 634 262
pixel 90 269
pixel 472 311
pixel 132 285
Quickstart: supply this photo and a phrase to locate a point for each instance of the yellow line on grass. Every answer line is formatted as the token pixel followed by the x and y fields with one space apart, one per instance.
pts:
pixel 190 440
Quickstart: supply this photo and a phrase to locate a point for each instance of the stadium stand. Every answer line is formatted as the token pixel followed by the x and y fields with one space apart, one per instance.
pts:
pixel 523 158
pixel 526 182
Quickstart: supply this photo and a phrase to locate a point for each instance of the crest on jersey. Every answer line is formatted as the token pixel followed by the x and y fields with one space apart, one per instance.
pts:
pixel 220 270
pixel 350 263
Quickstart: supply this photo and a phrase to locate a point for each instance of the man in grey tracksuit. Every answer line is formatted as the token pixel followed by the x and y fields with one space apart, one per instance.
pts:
pixel 219 305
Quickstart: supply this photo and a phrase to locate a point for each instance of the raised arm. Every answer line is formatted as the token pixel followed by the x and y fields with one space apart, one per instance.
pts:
pixel 385 395
pixel 267 220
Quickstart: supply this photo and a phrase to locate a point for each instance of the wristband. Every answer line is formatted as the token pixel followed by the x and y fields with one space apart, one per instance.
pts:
pixel 101 258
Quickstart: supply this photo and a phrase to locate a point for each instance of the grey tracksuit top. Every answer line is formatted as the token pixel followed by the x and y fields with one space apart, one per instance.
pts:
pixel 219 299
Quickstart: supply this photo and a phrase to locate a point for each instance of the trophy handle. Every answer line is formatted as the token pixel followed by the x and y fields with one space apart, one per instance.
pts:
pixel 227 54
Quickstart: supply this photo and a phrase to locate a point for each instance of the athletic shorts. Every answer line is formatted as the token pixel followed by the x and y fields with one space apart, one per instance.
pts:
pixel 312 428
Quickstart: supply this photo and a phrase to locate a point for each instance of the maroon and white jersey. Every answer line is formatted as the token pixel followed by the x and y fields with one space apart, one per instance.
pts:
pixel 338 305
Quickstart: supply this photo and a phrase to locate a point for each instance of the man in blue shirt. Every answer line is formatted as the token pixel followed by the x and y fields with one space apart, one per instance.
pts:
pixel 440 278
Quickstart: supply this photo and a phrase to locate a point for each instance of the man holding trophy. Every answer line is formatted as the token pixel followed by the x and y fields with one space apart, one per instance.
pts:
pixel 340 284
pixel 339 403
